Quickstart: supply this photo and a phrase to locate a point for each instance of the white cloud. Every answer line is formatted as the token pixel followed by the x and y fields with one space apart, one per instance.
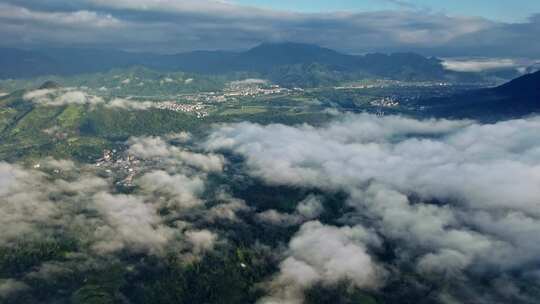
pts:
pixel 130 104
pixel 59 97
pixel 150 147
pixel 480 65
pixel 181 137
pixel 274 217
pixel 484 179
pixel 308 209
pixel 228 209
pixel 177 190
pixel 446 262
pixel 249 81
pixel 201 240
pixel 61 195
pixel 157 147
pixel 325 254
pixel 174 26
pixel 81 18
pixel 131 223
pixel 24 204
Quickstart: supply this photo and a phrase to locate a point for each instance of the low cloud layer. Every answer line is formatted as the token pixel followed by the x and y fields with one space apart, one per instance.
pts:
pixel 164 214
pixel 325 254
pixel 450 207
pixel 60 97
pixel 79 96
pixel 481 65
pixel 455 197
pixel 308 209
pixel 158 148
pixel 173 26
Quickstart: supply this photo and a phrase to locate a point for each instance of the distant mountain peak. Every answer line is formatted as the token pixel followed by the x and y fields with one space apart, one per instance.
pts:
pixel 50 85
pixel 287 44
pixel 290 46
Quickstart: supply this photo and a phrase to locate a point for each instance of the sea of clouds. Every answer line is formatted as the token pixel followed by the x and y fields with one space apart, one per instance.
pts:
pixel 458 199
pixel 61 197
pixel 456 203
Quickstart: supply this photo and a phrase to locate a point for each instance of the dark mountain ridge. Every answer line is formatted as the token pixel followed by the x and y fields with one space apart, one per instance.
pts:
pixel 264 59
pixel 517 98
pixel 527 86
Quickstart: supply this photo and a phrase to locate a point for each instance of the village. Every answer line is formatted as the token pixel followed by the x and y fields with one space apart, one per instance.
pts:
pixel 198 109
pixel 237 90
pixel 125 167
pixel 386 102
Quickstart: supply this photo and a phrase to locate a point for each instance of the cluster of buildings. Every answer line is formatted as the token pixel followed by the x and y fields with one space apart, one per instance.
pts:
pixel 198 108
pixel 125 167
pixel 233 92
pixel 386 102
pixel 377 84
pixel 359 86
pixel 208 97
pixel 253 90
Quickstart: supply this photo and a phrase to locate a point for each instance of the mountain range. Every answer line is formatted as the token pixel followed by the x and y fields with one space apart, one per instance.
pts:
pixel 278 60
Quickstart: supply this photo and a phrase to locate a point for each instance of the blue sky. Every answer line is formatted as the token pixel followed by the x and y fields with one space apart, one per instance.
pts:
pixel 444 28
pixel 501 10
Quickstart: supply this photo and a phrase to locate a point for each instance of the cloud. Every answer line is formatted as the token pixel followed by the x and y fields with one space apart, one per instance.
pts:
pixel 61 165
pixel 132 223
pixel 173 26
pixel 67 96
pixel 150 147
pixel 274 217
pixel 228 209
pixel 177 190
pixel 60 97
pixel 249 81
pixel 130 104
pixel 401 3
pixel 67 196
pixel 265 147
pixel 181 137
pixel 325 254
pixel 446 262
pixel 157 147
pixel 80 18
pixel 428 228
pixel 24 205
pixel 201 240
pixel 454 197
pixel 308 209
pixel 480 65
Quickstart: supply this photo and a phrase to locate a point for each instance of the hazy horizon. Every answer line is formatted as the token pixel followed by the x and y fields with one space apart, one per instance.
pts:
pixel 179 26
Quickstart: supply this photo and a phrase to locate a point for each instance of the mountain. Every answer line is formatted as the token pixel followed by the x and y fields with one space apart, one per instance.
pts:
pixel 533 68
pixel 15 63
pixel 526 87
pixel 269 55
pixel 517 98
pixel 265 59
pixel 49 85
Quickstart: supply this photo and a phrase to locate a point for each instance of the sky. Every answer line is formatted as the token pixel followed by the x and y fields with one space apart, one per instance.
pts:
pixel 478 28
pixel 502 10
